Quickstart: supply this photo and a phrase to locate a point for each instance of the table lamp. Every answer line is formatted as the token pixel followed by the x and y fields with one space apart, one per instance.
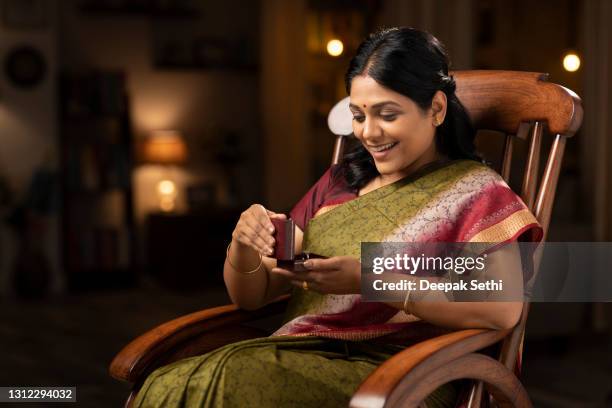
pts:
pixel 165 147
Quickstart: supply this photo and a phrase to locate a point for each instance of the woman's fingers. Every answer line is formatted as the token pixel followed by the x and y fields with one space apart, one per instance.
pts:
pixel 323 263
pixel 272 214
pixel 256 229
pixel 263 216
pixel 258 221
pixel 260 216
pixel 311 277
pixel 260 232
pixel 257 218
pixel 248 236
pixel 264 226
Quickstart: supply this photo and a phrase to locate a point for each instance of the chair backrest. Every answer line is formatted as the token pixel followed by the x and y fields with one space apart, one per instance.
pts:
pixel 520 105
pixel 523 105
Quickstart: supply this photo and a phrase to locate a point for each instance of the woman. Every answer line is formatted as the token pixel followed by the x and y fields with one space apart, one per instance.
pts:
pixel 413 176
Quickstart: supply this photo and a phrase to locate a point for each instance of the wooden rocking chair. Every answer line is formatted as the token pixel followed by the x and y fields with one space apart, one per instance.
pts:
pixel 519 104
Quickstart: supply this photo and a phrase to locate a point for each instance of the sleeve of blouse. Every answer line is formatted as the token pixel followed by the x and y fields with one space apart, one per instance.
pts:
pixel 311 201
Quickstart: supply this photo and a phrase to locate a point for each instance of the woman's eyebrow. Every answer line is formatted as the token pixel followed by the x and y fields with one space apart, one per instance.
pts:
pixel 377 105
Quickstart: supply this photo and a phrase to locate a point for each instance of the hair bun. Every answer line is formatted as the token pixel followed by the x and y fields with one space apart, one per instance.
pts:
pixel 448 84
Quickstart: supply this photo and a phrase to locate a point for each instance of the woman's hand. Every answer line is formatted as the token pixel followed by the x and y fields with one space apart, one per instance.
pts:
pixel 254 229
pixel 337 275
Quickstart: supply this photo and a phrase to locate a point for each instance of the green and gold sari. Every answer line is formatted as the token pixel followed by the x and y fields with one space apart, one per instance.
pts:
pixel 329 344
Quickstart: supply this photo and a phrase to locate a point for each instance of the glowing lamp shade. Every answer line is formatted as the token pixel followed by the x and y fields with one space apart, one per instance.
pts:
pixel 571 62
pixel 164 147
pixel 335 47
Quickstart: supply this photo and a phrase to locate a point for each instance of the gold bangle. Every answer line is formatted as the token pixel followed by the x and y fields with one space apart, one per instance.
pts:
pixel 245 272
pixel 406 302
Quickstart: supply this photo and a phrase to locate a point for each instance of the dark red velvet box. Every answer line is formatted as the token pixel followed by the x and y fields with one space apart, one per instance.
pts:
pixel 284 234
pixel 284 248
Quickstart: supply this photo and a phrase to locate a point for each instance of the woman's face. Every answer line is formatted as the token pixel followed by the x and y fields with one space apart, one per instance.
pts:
pixel 384 117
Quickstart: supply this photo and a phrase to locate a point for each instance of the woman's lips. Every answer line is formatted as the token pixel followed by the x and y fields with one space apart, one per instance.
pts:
pixel 384 154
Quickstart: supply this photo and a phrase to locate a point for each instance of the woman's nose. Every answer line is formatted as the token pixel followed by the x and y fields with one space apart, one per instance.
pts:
pixel 371 131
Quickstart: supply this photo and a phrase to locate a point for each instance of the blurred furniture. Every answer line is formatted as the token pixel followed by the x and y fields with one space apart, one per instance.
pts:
pixel 519 104
pixel 187 251
pixel 96 179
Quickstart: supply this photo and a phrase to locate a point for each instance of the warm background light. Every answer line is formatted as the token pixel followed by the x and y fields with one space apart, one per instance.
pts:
pixel 335 47
pixel 164 147
pixel 166 191
pixel 166 187
pixel 571 62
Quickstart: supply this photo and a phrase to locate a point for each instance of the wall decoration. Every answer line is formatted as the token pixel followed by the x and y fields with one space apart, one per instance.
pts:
pixel 25 66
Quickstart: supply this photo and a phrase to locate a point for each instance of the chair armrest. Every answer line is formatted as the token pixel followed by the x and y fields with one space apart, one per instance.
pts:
pixel 206 327
pixel 420 359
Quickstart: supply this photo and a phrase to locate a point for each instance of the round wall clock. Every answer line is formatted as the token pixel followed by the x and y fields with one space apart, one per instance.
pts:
pixel 25 66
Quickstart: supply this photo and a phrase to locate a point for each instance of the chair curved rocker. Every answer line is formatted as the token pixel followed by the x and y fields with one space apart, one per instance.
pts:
pixel 518 104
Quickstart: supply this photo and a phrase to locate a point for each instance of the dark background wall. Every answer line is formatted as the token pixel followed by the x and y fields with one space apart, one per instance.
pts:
pixel 254 127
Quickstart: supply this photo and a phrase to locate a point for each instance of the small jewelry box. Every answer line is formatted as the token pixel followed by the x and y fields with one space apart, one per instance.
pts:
pixel 284 248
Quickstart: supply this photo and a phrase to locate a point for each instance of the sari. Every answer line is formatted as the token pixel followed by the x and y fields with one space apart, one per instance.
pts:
pixel 329 343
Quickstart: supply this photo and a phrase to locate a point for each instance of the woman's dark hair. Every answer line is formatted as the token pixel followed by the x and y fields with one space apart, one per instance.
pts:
pixel 413 63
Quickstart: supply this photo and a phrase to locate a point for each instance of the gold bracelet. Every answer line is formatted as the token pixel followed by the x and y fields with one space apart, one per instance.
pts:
pixel 406 302
pixel 244 273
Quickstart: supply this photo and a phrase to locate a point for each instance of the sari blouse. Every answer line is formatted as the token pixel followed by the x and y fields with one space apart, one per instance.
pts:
pixel 330 189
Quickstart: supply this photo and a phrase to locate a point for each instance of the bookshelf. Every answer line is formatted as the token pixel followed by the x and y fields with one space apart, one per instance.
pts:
pixel 96 170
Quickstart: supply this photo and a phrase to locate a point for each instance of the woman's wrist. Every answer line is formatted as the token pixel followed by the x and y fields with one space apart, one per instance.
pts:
pixel 243 258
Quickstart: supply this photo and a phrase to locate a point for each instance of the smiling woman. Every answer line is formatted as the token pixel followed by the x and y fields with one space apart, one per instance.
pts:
pixel 402 97
pixel 395 132
pixel 413 177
